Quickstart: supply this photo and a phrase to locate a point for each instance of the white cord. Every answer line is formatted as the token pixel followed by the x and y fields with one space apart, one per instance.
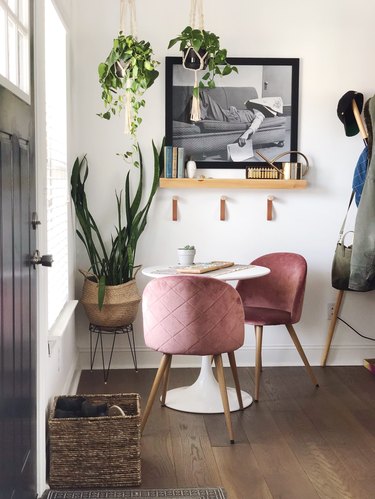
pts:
pixel 195 113
pixel 127 11
pixel 196 14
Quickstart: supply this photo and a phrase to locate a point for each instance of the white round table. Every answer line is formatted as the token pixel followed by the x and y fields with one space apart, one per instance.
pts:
pixel 203 396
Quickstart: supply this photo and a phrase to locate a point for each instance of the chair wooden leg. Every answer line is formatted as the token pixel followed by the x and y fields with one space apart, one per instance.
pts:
pixel 224 395
pixel 166 379
pixel 298 345
pixel 155 386
pixel 258 359
pixel 332 326
pixel 260 362
pixel 233 366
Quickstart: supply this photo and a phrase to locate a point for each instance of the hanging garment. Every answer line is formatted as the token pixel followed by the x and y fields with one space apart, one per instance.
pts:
pixel 359 176
pixel 362 272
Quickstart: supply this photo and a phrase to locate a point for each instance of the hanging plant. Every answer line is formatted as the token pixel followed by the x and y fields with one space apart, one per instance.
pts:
pixel 126 74
pixel 203 46
pixel 201 51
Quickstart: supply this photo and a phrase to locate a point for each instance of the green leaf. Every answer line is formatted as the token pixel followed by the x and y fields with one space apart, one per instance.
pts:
pixel 101 292
pixel 227 70
pixel 187 32
pixel 102 69
pixel 173 42
pixel 196 40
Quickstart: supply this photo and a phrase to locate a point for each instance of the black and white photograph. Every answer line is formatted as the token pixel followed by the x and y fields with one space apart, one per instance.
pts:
pixel 249 117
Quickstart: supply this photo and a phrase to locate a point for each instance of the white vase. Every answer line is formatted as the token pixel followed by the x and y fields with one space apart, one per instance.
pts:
pixel 191 168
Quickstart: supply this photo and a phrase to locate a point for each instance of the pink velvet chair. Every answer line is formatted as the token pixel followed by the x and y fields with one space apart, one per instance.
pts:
pixel 275 299
pixel 191 315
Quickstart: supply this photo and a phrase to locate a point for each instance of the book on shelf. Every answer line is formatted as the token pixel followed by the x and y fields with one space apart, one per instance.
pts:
pixel 180 162
pixel 168 161
pixel 174 162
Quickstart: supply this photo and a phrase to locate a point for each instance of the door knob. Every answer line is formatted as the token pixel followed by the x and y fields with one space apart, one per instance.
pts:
pixel 44 260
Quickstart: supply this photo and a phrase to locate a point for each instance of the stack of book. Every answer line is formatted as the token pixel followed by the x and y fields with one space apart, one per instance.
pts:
pixel 174 162
pixel 260 172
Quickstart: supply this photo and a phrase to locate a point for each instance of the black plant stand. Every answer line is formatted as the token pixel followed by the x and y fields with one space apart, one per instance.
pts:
pixel 99 331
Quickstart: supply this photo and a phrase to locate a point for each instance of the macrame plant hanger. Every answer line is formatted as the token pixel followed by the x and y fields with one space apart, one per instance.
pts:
pixel 127 12
pixel 196 21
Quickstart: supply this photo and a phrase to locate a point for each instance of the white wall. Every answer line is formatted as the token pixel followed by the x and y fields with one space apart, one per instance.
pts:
pixel 331 46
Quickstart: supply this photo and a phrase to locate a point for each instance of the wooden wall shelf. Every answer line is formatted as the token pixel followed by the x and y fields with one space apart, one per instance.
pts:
pixel 230 183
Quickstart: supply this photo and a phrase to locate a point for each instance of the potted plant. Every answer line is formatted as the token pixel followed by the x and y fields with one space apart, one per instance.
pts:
pixel 202 50
pixel 110 296
pixel 186 255
pixel 126 74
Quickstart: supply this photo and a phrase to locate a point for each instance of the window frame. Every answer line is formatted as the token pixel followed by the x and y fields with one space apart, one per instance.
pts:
pixel 5 81
pixel 52 334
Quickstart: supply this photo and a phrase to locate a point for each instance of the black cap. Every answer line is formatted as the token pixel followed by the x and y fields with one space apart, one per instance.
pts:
pixel 345 111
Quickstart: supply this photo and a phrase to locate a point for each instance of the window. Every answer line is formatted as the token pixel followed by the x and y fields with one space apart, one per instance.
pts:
pixel 57 175
pixel 15 47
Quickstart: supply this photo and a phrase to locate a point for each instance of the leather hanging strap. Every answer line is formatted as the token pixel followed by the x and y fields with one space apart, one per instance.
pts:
pixel 341 233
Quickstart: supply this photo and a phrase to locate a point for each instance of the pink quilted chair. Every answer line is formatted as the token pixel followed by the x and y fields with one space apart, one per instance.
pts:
pixel 275 299
pixel 191 315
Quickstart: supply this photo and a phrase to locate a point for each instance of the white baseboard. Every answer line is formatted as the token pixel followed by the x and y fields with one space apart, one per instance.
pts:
pixel 272 356
pixel 72 378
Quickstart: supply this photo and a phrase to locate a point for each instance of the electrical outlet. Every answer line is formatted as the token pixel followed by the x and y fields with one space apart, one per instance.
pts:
pixel 330 308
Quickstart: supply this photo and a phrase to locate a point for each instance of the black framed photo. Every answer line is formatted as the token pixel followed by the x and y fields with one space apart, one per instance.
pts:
pixel 252 112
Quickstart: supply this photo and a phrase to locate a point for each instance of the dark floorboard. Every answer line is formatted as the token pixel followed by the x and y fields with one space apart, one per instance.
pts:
pixel 296 442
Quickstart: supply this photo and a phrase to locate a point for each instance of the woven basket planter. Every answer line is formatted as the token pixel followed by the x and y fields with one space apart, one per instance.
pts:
pixel 120 303
pixel 96 452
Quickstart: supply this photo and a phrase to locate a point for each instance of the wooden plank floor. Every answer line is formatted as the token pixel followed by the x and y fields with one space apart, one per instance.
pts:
pixel 297 442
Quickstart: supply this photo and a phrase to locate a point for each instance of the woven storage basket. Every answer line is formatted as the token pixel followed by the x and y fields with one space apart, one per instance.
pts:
pixel 99 451
pixel 120 303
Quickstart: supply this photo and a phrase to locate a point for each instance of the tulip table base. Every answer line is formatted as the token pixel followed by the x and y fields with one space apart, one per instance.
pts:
pixel 203 396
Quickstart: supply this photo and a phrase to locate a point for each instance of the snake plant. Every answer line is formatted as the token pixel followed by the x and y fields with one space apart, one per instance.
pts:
pixel 113 264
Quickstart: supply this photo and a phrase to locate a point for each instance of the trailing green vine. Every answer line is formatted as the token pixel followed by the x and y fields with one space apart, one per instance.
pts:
pixel 126 74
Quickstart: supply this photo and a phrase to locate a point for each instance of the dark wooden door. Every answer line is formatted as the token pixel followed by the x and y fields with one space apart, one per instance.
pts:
pixel 17 300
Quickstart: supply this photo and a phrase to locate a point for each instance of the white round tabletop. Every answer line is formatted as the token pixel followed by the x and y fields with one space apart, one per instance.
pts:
pixel 236 272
